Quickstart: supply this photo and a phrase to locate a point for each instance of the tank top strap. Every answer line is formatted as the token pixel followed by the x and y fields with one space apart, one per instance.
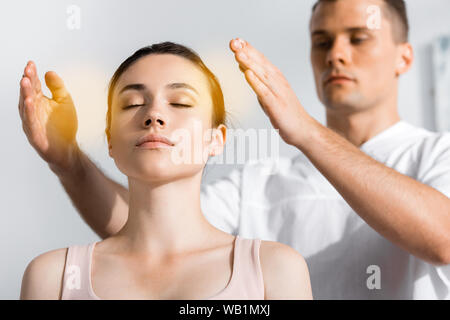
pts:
pixel 77 277
pixel 248 268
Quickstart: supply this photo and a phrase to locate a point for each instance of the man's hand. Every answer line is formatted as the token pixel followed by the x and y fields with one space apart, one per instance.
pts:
pixel 274 93
pixel 49 124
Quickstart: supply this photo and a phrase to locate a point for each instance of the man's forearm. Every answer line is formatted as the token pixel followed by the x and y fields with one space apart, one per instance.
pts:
pixel 411 214
pixel 101 202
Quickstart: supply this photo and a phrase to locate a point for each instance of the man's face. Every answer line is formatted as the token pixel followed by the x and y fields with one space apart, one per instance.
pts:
pixel 355 67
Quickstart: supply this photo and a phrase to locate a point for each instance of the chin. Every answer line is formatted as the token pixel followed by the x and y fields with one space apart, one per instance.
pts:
pixel 344 102
pixel 160 172
pixel 156 166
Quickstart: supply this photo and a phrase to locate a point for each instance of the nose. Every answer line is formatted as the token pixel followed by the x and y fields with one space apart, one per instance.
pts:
pixel 154 119
pixel 339 53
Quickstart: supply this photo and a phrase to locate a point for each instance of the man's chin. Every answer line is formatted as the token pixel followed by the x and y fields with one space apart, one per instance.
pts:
pixel 344 106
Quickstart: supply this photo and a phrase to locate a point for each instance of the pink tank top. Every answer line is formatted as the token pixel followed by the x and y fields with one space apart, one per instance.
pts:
pixel 246 281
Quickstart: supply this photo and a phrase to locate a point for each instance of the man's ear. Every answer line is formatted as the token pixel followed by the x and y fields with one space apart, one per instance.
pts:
pixel 218 140
pixel 405 59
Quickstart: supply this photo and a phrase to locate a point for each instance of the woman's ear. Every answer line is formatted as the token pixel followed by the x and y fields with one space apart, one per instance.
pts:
pixel 110 149
pixel 218 140
pixel 405 60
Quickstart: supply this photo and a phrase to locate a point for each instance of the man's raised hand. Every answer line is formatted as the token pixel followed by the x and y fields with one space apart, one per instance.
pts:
pixel 50 124
pixel 274 93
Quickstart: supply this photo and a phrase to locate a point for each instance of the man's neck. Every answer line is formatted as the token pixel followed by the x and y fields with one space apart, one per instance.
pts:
pixel 359 127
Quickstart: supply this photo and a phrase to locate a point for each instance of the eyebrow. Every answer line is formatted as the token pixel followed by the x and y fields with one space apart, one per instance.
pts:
pixel 181 85
pixel 133 86
pixel 142 87
pixel 353 29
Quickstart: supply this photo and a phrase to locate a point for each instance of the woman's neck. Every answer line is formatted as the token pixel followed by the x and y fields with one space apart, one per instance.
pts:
pixel 165 218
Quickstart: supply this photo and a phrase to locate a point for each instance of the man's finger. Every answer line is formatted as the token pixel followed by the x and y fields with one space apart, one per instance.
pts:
pixel 35 79
pixel 25 92
pixel 21 97
pixel 30 122
pixel 265 96
pixel 250 58
pixel 56 86
pixel 31 72
pixel 237 44
pixel 253 55
pixel 259 71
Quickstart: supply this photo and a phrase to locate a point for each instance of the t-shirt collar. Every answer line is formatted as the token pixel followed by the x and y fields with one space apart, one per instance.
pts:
pixel 392 131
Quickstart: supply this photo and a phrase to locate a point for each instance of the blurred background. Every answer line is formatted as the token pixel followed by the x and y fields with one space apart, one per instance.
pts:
pixel 37 216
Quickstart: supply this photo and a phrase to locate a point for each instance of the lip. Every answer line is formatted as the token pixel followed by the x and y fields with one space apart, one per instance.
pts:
pixel 338 78
pixel 154 145
pixel 154 141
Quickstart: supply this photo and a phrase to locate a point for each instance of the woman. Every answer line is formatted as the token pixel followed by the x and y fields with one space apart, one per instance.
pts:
pixel 157 100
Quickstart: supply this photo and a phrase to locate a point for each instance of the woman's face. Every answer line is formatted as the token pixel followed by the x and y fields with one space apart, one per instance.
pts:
pixel 163 95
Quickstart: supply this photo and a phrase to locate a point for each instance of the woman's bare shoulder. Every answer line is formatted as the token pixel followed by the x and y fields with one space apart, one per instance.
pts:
pixel 43 276
pixel 285 272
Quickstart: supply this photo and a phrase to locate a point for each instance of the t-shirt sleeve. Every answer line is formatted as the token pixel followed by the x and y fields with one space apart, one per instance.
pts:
pixel 437 171
pixel 437 175
pixel 221 202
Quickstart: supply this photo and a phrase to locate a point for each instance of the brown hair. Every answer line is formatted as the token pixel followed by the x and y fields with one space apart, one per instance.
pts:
pixel 219 114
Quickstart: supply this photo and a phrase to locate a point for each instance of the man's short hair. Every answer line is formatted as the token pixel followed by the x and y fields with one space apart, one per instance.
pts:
pixel 398 15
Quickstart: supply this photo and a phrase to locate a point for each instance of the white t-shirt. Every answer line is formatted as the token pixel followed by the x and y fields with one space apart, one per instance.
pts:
pixel 289 201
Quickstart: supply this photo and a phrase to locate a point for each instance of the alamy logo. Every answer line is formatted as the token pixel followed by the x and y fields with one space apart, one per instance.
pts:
pixel 374 280
pixel 374 19
pixel 74 18
pixel 74 278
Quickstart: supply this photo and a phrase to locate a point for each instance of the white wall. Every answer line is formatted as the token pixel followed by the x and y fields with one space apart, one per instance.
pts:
pixel 36 215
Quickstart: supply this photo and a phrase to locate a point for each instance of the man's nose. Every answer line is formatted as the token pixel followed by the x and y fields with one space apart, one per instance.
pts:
pixel 339 53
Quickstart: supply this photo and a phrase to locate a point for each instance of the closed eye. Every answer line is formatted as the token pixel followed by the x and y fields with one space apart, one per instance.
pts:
pixel 324 44
pixel 173 104
pixel 181 105
pixel 358 40
pixel 133 105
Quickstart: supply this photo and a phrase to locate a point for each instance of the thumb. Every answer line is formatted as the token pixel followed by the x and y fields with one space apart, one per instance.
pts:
pixel 56 86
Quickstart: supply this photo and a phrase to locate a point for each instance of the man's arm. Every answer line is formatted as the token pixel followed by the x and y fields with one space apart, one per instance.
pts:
pixel 101 202
pixel 411 214
pixel 50 125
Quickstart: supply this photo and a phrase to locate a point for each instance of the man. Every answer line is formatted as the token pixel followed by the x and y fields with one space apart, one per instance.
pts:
pixel 366 201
